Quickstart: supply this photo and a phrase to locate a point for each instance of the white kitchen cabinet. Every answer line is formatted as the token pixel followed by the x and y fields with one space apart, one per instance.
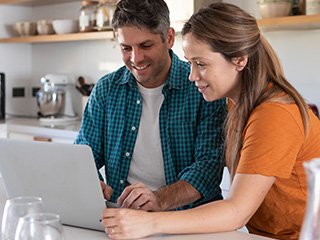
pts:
pixel 44 137
pixel 33 130
pixel 3 130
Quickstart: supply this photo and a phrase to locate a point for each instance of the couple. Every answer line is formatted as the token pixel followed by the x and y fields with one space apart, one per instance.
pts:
pixel 269 130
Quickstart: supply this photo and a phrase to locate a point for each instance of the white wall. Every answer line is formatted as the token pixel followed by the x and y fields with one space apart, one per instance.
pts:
pixel 298 51
pixel 15 58
pixel 24 64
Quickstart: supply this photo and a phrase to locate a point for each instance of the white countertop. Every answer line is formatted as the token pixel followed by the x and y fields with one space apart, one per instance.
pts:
pixel 34 126
pixel 73 233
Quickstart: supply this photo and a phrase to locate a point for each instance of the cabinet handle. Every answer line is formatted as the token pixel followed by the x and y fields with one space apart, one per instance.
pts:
pixel 42 139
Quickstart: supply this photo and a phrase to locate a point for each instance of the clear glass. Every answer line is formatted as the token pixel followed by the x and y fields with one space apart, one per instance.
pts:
pixel 105 12
pixel 40 226
pixel 87 18
pixel 311 225
pixel 16 208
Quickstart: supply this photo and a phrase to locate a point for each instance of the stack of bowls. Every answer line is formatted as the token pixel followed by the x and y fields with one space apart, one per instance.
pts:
pixel 274 8
pixel 26 28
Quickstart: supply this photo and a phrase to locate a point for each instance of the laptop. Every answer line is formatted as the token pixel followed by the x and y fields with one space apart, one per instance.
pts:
pixel 63 175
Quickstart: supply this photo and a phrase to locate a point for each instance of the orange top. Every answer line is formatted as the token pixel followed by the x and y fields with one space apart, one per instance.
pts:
pixel 275 145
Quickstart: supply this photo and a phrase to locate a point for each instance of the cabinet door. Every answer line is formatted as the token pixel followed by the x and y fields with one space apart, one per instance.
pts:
pixel 19 136
pixel 3 134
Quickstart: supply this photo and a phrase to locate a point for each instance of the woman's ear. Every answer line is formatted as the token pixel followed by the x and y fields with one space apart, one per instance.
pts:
pixel 240 62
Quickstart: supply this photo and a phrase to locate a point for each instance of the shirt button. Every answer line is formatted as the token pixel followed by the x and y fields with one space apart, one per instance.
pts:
pixel 121 181
pixel 133 128
pixel 138 101
pixel 127 154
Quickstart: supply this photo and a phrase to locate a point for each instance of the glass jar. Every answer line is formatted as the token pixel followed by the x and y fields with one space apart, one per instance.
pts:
pixel 88 13
pixel 105 12
pixel 311 224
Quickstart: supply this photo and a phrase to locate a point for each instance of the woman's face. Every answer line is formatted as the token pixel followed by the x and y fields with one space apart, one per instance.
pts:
pixel 214 76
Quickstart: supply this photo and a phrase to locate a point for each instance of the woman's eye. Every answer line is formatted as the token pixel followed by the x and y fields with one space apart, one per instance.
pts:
pixel 200 64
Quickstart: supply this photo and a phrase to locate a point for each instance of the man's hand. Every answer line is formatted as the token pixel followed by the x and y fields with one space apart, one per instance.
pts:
pixel 139 196
pixel 106 190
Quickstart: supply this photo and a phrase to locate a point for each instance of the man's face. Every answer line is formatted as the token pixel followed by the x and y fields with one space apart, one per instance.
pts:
pixel 145 54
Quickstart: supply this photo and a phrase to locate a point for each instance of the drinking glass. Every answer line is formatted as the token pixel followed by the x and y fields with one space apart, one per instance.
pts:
pixel 39 226
pixel 16 208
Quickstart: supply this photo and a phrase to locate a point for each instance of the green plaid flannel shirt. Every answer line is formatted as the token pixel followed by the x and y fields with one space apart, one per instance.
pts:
pixel 190 129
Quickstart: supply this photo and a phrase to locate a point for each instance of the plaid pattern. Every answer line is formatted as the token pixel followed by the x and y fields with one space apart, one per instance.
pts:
pixel 190 130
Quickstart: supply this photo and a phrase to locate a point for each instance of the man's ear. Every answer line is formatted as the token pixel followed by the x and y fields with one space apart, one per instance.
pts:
pixel 240 62
pixel 170 37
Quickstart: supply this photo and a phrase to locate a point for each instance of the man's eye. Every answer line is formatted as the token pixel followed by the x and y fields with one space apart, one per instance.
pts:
pixel 146 46
pixel 126 49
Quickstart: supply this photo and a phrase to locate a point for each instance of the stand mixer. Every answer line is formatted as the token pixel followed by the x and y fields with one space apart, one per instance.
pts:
pixel 54 99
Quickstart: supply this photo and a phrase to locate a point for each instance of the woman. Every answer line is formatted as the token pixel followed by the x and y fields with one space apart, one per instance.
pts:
pixel 270 132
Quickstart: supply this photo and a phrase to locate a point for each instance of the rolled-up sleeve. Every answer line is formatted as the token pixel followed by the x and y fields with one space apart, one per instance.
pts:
pixel 205 173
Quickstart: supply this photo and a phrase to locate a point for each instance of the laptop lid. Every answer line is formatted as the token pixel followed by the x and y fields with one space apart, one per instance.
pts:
pixel 63 175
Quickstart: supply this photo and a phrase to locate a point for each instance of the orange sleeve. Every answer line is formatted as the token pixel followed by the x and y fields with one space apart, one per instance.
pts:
pixel 273 138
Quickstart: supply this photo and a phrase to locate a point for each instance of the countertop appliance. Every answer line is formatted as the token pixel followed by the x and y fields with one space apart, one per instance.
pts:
pixel 54 98
pixel 2 98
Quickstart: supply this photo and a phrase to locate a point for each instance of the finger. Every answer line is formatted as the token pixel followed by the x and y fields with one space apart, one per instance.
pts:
pixel 106 190
pixel 109 213
pixel 140 201
pixel 107 193
pixel 132 197
pixel 127 191
pixel 124 195
pixel 108 222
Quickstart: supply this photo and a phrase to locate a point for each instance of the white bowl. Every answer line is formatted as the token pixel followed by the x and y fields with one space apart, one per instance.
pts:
pixel 63 26
pixel 272 9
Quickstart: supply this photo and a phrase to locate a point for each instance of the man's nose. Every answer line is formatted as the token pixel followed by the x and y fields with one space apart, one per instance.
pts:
pixel 137 56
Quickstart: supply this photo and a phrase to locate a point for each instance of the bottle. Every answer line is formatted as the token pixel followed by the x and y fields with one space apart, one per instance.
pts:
pixel 2 98
pixel 87 18
pixel 311 224
pixel 105 14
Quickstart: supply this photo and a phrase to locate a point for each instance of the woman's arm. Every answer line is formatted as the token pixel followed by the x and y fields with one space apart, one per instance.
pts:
pixel 246 195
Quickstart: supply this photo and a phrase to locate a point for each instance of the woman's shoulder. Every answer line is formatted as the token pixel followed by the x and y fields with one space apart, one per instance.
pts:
pixel 277 109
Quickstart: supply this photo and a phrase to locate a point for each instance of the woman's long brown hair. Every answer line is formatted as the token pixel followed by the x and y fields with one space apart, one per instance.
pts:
pixel 234 33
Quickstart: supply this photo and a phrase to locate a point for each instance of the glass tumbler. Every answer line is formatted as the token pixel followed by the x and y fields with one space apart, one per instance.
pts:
pixel 40 226
pixel 16 208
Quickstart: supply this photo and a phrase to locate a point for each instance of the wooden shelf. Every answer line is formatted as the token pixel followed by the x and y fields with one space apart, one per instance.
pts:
pixel 35 2
pixel 61 38
pixel 301 22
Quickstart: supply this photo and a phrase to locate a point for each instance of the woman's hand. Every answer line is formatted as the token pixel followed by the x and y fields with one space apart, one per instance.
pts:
pixel 127 223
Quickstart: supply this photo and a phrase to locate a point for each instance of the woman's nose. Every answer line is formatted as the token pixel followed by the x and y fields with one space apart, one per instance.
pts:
pixel 193 76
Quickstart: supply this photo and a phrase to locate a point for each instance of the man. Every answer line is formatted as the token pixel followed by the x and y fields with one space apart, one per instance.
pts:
pixel 159 141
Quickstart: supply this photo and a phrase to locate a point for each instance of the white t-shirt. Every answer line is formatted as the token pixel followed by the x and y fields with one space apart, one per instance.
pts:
pixel 147 159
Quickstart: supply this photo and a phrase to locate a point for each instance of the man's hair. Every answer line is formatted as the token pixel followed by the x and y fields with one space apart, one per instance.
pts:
pixel 150 14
